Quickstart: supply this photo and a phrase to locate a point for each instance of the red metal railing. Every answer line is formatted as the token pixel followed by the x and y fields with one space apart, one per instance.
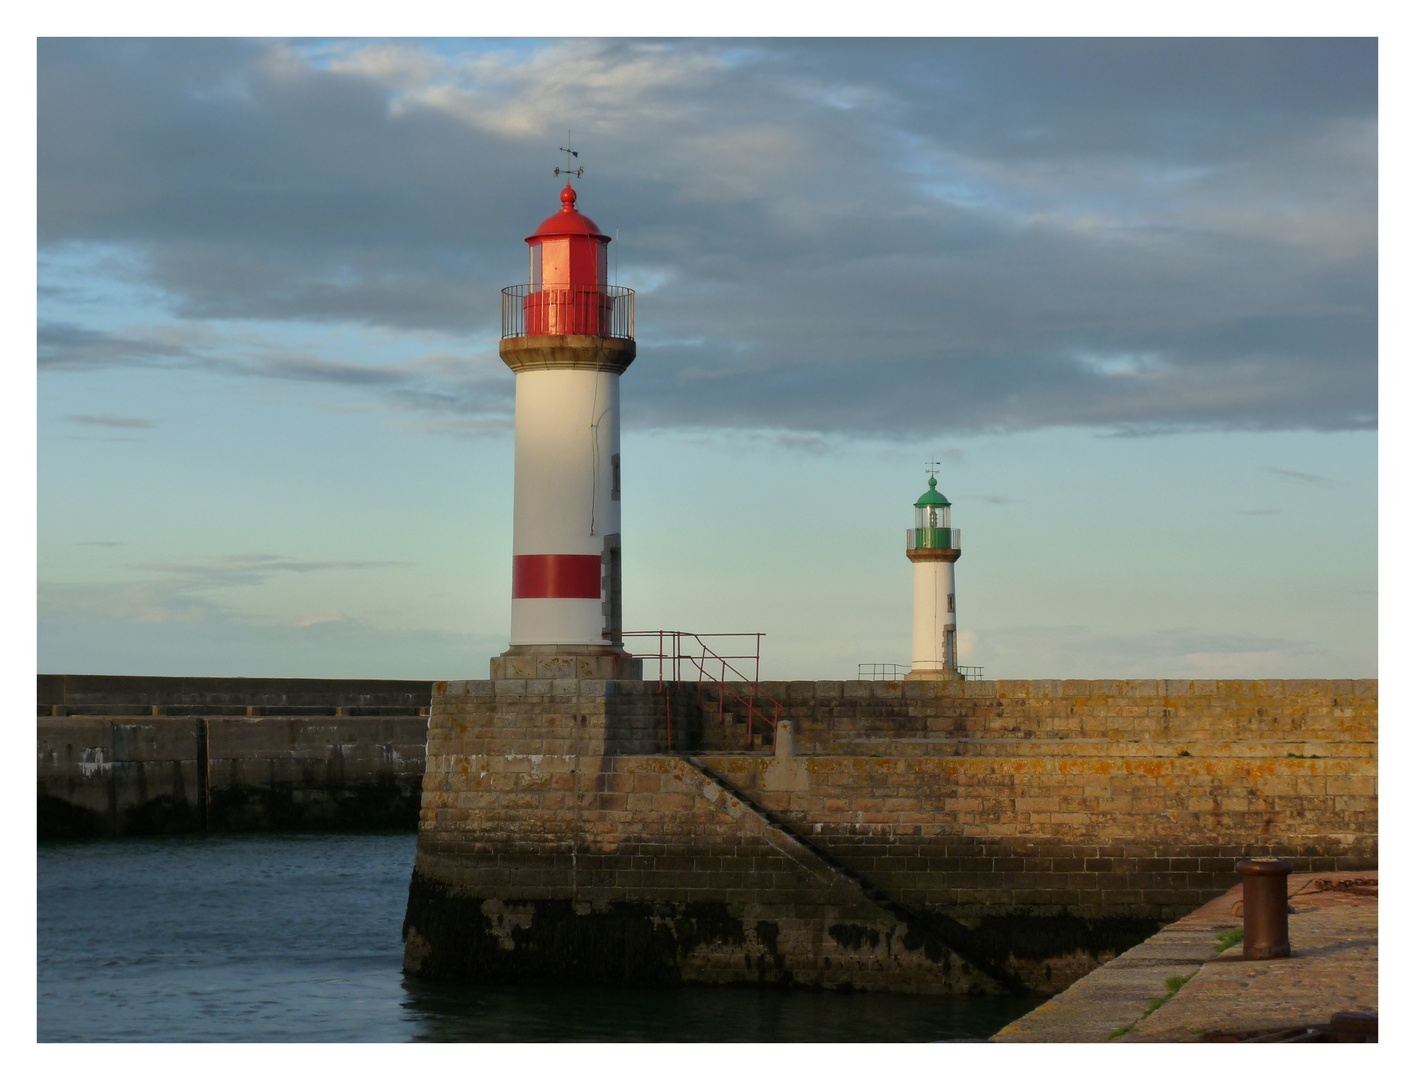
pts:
pixel 680 650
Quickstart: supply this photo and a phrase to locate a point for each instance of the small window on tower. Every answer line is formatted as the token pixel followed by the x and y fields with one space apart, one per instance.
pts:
pixel 614 491
pixel 535 265
pixel 950 601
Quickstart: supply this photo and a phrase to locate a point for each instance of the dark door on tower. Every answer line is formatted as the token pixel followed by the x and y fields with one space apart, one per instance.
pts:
pixel 613 562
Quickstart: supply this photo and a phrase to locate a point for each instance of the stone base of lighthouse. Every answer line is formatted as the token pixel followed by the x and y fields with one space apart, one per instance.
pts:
pixel 918 676
pixel 566 662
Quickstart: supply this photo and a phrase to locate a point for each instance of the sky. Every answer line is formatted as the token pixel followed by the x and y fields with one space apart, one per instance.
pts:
pixel 1123 291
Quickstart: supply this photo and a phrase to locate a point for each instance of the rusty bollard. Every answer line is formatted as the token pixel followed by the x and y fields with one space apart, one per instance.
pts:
pixel 1265 908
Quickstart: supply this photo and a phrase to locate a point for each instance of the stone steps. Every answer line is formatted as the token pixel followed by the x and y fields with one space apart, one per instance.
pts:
pixel 941 930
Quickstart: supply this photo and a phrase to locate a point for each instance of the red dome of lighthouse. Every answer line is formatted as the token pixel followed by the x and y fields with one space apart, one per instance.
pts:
pixel 568 250
pixel 569 265
pixel 568 222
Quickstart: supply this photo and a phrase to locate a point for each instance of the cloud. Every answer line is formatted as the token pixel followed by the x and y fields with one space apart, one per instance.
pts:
pixel 169 600
pixel 314 619
pixel 112 421
pixel 885 238
pixel 67 345
pixel 177 591
pixel 251 569
pixel 1302 477
pixel 466 395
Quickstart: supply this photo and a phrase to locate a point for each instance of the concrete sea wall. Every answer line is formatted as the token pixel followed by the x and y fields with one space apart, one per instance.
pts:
pixel 123 755
pixel 938 837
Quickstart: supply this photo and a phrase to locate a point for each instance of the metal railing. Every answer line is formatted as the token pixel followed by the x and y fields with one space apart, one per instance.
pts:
pixel 895 672
pixel 682 651
pixel 594 310
pixel 877 672
pixel 926 539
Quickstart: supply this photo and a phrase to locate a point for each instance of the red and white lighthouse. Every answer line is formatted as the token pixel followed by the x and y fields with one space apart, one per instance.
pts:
pixel 568 335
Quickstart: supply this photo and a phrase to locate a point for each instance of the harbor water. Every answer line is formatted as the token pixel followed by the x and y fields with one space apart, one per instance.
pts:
pixel 296 938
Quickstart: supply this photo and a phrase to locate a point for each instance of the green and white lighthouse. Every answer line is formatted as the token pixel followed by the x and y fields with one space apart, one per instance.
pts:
pixel 933 546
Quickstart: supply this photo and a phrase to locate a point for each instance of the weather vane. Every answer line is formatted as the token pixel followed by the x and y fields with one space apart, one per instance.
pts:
pixel 932 467
pixel 569 169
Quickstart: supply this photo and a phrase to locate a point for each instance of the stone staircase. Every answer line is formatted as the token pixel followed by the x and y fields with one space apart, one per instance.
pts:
pixel 934 932
pixel 723 727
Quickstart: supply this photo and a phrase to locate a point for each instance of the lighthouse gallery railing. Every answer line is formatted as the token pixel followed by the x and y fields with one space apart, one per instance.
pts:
pixel 594 310
pixel 925 539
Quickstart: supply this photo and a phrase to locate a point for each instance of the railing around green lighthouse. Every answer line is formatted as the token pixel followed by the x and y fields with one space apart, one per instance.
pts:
pixel 934 539
pixel 882 672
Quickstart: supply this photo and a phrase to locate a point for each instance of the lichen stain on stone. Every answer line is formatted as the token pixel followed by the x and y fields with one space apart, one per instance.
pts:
pixel 502 920
pixel 1156 768
pixel 934 950
pixel 620 943
pixel 415 951
pixel 767 933
pixel 707 922
pixel 853 936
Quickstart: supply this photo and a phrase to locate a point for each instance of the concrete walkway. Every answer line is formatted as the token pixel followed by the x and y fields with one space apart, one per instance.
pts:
pixel 1332 968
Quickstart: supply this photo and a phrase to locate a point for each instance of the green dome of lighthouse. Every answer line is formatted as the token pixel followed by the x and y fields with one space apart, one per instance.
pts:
pixel 932 497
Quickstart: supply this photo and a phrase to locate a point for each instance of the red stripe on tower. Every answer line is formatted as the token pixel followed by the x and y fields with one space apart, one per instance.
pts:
pixel 560 577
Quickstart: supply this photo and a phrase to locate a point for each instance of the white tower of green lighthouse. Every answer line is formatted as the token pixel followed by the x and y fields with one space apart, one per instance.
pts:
pixel 933 546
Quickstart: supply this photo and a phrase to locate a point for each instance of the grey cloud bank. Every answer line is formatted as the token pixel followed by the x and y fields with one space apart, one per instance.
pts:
pixel 111 421
pixel 841 236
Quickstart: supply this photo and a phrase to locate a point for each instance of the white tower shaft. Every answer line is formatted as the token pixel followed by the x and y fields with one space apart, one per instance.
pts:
pixel 935 644
pixel 565 544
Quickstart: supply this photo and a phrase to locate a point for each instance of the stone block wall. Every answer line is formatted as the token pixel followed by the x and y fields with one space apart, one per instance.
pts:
pixel 1141 833
pixel 157 695
pixel 557 845
pixel 828 716
pixel 1086 797
pixel 935 836
pixel 124 755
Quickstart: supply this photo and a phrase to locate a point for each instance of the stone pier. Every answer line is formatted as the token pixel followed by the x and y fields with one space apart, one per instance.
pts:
pixel 937 836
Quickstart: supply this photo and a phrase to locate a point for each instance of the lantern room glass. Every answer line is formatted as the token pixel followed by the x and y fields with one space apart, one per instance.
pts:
pixel 931 517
